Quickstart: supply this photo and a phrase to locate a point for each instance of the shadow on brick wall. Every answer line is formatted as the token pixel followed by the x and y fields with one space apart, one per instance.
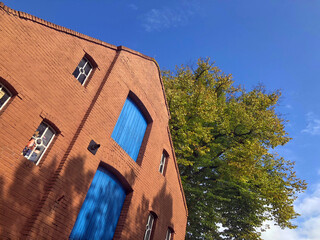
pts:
pixel 162 206
pixel 62 205
pixel 19 198
pixel 21 217
pixel 20 211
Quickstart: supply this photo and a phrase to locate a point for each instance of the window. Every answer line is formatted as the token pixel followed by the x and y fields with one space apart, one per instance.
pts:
pixel 5 95
pixel 83 70
pixel 38 143
pixel 162 163
pixel 130 129
pixel 169 234
pixel 147 234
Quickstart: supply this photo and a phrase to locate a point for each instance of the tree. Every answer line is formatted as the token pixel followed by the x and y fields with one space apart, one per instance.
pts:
pixel 224 138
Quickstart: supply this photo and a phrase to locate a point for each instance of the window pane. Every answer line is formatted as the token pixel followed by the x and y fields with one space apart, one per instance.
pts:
pixel 87 68
pixel 76 72
pixel 162 163
pixel 161 168
pixel 147 236
pixel 168 236
pixel 163 158
pixel 81 78
pixel 40 130
pixel 4 96
pixel 2 92
pixel 82 62
pixel 47 136
pixel 29 148
pixel 37 153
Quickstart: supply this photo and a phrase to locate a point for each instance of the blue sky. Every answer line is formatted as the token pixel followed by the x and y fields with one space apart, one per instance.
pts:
pixel 271 42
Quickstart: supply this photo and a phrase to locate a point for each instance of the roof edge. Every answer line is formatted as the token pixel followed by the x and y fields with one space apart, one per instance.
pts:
pixel 178 172
pixel 30 17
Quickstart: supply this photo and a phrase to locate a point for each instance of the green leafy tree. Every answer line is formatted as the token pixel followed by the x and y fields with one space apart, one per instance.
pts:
pixel 224 138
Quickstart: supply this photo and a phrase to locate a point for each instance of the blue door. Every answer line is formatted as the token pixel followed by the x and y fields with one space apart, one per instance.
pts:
pixel 130 129
pixel 100 211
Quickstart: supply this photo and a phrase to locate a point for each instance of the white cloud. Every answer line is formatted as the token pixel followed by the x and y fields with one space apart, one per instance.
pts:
pixel 276 233
pixel 309 206
pixel 308 223
pixel 133 6
pixel 313 124
pixel 159 19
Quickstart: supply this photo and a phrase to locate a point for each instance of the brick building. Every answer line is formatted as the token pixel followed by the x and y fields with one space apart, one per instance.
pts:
pixel 85 147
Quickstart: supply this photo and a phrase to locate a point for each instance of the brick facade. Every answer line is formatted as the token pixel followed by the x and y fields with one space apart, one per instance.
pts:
pixel 42 201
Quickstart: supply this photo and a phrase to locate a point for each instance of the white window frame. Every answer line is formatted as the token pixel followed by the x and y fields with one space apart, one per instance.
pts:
pixel 81 70
pixel 10 95
pixel 149 227
pixel 162 163
pixel 37 144
pixel 169 234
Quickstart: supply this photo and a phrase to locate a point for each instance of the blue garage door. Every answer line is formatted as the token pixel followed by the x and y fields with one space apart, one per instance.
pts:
pixel 130 129
pixel 101 208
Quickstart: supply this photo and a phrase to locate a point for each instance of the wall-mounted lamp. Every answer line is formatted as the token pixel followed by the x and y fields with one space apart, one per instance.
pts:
pixel 93 147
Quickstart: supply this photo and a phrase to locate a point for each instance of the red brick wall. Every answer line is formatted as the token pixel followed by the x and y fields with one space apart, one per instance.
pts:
pixel 37 60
